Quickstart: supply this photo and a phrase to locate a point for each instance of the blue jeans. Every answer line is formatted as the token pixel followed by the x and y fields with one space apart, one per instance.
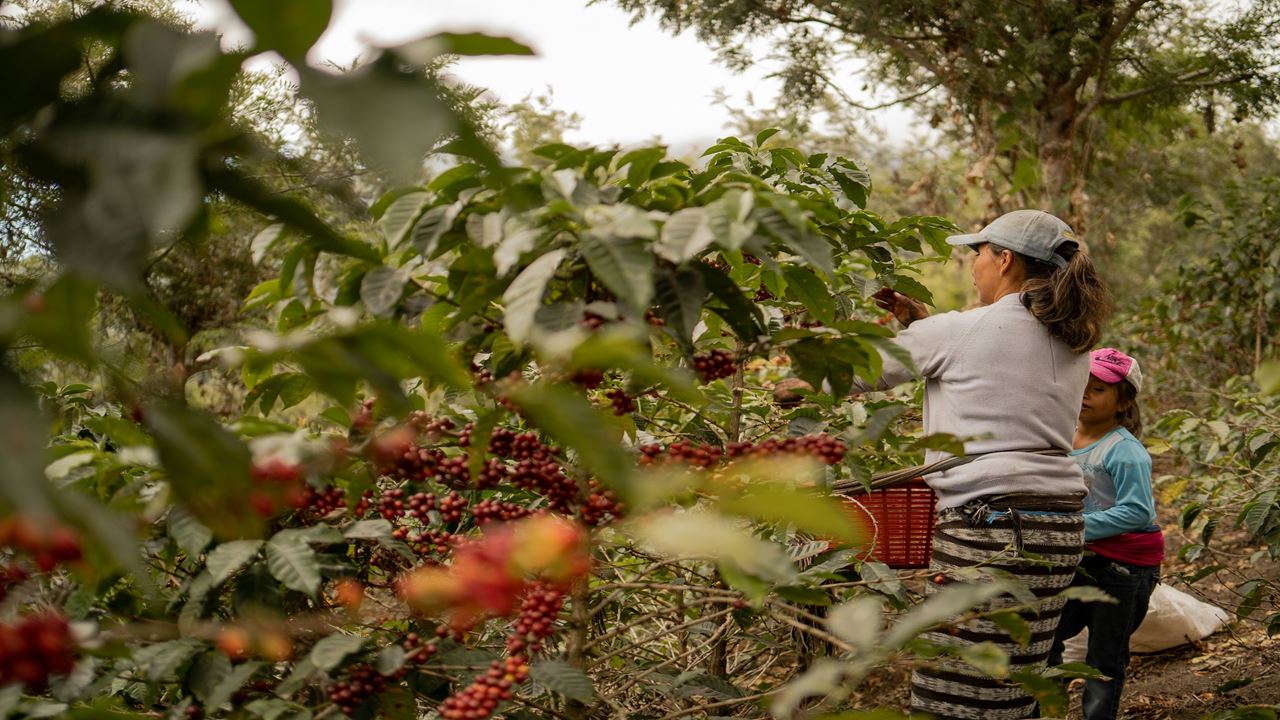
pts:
pixel 1109 627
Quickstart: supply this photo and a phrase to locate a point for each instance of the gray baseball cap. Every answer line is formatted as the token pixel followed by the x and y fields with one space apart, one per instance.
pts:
pixel 1033 233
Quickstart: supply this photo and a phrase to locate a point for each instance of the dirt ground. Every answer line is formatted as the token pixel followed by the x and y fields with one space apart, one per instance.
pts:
pixel 1237 666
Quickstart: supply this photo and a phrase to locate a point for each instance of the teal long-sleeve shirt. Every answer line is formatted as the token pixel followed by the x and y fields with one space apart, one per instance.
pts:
pixel 1117 469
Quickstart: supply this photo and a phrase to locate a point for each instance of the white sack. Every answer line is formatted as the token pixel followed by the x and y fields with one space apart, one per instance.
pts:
pixel 1173 618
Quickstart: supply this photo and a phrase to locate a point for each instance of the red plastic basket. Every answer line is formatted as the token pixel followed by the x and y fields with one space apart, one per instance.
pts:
pixel 900 519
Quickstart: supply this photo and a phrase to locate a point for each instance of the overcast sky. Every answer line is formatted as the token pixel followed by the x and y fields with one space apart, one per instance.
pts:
pixel 628 83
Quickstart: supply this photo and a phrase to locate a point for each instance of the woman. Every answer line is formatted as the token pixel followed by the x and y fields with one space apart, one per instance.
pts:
pixel 1010 374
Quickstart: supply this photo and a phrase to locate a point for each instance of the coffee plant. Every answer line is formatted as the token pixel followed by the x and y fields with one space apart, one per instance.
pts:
pixel 508 449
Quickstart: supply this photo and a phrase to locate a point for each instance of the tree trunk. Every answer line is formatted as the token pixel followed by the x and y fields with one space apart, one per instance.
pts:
pixel 1057 156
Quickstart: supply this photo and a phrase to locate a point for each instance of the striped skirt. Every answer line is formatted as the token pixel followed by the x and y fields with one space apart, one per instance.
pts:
pixel 951 688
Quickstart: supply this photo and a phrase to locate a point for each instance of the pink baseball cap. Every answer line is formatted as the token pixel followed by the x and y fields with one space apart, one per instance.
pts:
pixel 1111 365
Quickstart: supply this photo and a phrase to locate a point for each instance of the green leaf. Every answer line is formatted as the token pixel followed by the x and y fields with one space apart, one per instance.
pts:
pixel 565 679
pixel 642 162
pixel 857 622
pixel 1013 624
pixel 571 420
pixel 239 675
pixel 729 219
pixel 795 234
pixel 823 678
pixel 524 296
pixel 207 467
pixel 764 135
pixel 805 595
pixel 332 650
pixel 397 703
pixel 381 288
pixel 161 661
pixel 680 293
pixel 62 324
pixel 1049 694
pixel 451 43
pixel 368 530
pixel 814 293
pixel 948 603
pixel 854 182
pixel 188 532
pixel 401 216
pixel 709 535
pixel 685 235
pixel 266 239
pixel 623 265
pixel 1084 593
pixel 206 673
pixel 743 315
pixel 390 659
pixel 803 508
pixel 277 709
pixel 433 224
pixel 1268 377
pixel 225 559
pixel 288 26
pixel 882 579
pixel 912 288
pixel 292 561
pixel 987 657
pixel 396 116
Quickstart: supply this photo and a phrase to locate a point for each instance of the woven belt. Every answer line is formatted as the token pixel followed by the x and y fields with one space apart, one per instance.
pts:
pixel 980 511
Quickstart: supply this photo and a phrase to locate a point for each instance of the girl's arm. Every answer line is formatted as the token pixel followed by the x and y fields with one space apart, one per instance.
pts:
pixel 1130 468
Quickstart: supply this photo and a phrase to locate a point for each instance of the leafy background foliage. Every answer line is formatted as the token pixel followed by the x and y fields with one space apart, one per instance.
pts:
pixel 264 330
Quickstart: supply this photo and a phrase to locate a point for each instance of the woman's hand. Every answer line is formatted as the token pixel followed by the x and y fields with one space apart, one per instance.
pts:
pixel 906 309
pixel 787 392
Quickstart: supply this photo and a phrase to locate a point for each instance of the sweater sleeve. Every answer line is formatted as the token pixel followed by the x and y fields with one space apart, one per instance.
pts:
pixel 1129 466
pixel 927 341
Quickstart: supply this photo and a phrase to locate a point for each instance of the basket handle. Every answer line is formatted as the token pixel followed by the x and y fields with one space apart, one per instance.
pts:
pixel 891 478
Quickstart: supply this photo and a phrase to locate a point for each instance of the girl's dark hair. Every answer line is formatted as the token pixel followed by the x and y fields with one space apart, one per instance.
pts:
pixel 1071 301
pixel 1129 417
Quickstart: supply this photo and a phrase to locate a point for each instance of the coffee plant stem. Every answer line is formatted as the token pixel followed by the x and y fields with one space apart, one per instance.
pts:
pixel 677 658
pixel 712 706
pixel 723 594
pixel 820 634
pixel 654 636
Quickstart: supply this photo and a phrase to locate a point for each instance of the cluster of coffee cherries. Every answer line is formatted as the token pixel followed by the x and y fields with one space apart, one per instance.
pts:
pixel 48 544
pixel 479 699
pixel 588 378
pixel 35 648
pixel 714 365
pixel 824 447
pixel 700 455
pixel 396 454
pixel 492 510
pixel 601 507
pixel 363 681
pixel 535 623
pixel 622 403
pixel 321 503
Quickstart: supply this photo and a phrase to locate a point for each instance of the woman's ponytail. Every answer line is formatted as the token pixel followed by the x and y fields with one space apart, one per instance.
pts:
pixel 1072 301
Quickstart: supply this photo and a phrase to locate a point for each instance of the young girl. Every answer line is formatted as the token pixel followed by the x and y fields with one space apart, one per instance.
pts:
pixel 1123 546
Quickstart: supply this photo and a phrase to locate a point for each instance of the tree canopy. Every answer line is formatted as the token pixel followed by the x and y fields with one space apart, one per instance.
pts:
pixel 1023 81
